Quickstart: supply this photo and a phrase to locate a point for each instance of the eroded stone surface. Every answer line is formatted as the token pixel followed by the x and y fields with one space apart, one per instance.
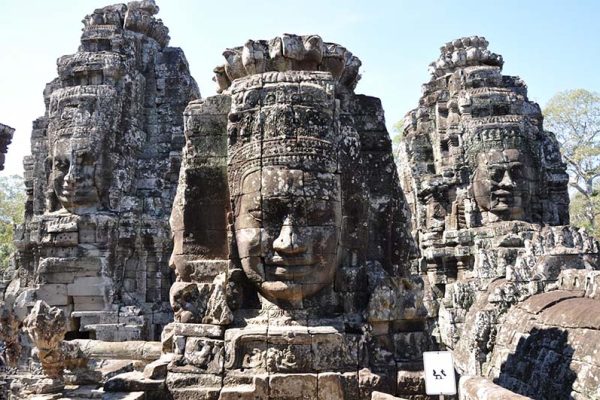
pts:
pixel 288 235
pixel 6 134
pixel 46 327
pixel 551 338
pixel 488 195
pixel 288 52
pixel 103 174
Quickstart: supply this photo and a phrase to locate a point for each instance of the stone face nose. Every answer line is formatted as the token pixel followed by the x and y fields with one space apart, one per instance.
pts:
pixel 69 180
pixel 507 181
pixel 289 241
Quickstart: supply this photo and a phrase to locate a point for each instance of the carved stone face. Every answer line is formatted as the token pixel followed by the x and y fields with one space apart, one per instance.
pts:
pixel 501 182
pixel 82 125
pixel 77 174
pixel 287 229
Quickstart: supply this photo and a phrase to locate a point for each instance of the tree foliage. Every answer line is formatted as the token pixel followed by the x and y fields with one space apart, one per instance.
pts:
pixel 12 207
pixel 574 116
pixel 398 132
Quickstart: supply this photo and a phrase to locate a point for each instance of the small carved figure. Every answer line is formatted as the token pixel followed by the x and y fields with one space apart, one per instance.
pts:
pixel 47 327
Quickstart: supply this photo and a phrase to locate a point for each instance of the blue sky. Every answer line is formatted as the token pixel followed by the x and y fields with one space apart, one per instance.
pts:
pixel 553 45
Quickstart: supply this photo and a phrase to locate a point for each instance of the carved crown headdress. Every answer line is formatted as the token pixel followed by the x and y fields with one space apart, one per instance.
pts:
pixel 508 132
pixel 282 119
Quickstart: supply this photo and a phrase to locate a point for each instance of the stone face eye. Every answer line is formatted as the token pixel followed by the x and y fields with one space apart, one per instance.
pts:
pixel 496 174
pixel 515 172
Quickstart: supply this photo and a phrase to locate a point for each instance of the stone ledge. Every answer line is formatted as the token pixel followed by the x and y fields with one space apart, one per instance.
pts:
pixel 478 388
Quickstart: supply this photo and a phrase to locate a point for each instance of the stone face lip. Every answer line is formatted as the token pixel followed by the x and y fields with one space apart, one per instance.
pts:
pixel 6 134
pixel 288 52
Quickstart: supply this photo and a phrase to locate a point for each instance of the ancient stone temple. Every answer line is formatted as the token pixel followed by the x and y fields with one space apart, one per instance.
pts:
pixel 291 244
pixel 6 134
pixel 488 196
pixel 267 238
pixel 102 178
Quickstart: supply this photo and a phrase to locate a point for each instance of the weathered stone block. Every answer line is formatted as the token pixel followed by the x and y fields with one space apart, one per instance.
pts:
pixel 293 386
pixel 54 294
pixel 89 303
pixel 478 388
pixel 330 386
pixel 133 382
pixel 184 386
pixel 410 383
pixel 158 369
pixel 90 286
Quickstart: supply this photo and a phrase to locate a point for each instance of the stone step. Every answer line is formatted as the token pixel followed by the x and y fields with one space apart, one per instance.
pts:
pixel 189 386
pixel 196 393
pixel 124 396
pixel 82 392
pixel 258 388
pixel 134 381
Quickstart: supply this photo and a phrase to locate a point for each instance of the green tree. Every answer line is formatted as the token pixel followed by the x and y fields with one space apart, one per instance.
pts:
pixel 398 133
pixel 12 208
pixel 574 116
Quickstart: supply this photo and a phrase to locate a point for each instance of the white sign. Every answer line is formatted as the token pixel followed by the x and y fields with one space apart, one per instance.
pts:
pixel 439 373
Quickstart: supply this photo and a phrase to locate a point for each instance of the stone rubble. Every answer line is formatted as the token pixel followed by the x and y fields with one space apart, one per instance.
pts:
pixel 46 326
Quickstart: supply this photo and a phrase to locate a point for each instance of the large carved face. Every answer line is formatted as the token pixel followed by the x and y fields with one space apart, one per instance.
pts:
pixel 287 229
pixel 82 124
pixel 77 178
pixel 501 183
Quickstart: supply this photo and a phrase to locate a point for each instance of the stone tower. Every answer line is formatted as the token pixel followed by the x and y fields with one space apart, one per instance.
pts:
pixel 487 190
pixel 291 245
pixel 103 175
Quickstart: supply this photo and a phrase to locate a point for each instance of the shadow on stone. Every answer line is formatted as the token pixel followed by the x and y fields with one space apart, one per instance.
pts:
pixel 540 366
